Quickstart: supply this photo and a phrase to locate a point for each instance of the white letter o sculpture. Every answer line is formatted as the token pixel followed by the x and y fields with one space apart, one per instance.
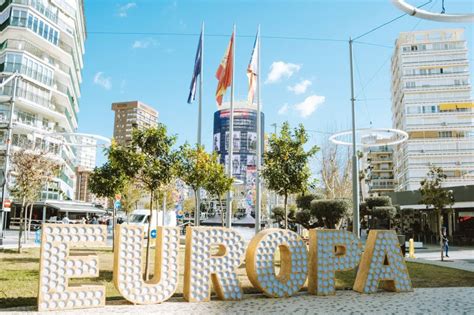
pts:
pixel 260 258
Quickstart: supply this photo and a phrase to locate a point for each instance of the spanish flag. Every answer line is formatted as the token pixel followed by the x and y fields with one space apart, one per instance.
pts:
pixel 225 71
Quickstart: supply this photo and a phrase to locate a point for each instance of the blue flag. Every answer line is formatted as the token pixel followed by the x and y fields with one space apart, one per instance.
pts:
pixel 196 73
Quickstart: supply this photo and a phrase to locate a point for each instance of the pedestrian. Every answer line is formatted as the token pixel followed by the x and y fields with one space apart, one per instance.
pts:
pixel 94 220
pixel 445 243
pixel 65 220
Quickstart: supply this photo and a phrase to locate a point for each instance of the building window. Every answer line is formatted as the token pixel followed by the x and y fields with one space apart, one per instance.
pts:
pixel 26 118
pixel 27 66
pixel 26 19
pixel 445 134
pixel 18 17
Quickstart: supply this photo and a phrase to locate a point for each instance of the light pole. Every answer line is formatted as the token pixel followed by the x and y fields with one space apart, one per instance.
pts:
pixel 5 99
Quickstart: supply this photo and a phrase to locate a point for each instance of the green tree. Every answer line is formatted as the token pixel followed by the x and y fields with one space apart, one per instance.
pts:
pixel 286 169
pixel 283 217
pixel 432 194
pixel 217 183
pixel 193 169
pixel 330 212
pixel 107 181
pixel 131 195
pixel 189 205
pixel 31 170
pixel 381 210
pixel 148 160
pixel 304 215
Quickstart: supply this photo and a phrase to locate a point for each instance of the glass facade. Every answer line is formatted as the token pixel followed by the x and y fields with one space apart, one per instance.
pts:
pixel 24 18
pixel 14 62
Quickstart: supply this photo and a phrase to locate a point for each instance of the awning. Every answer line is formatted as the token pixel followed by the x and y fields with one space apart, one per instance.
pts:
pixel 454 106
pixel 67 206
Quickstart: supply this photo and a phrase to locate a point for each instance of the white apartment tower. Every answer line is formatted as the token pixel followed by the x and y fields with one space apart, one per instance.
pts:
pixel 43 40
pixel 431 100
pixel 86 153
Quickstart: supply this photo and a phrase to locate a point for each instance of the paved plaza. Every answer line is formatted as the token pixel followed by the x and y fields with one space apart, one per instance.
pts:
pixel 459 257
pixel 421 301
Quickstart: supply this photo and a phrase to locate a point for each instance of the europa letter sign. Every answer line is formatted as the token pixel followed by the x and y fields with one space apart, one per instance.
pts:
pixel 212 258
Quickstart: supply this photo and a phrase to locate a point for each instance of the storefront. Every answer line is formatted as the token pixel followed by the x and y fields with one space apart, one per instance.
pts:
pixel 421 222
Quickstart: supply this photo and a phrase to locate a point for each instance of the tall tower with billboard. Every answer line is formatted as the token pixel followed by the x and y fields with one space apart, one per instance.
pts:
pixel 245 145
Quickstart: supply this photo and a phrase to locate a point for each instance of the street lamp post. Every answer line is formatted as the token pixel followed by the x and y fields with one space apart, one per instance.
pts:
pixel 15 77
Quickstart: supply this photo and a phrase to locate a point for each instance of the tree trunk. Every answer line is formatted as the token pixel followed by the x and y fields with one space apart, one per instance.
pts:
pixel 29 221
pixel 197 222
pixel 440 229
pixel 219 199
pixel 286 211
pixel 147 259
pixel 25 223
pixel 22 210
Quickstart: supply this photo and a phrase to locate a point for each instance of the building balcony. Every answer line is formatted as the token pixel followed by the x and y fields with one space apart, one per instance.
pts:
pixel 379 160
pixel 47 11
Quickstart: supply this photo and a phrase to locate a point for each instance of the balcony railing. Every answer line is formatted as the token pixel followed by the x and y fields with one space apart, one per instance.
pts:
pixel 35 51
pixel 39 6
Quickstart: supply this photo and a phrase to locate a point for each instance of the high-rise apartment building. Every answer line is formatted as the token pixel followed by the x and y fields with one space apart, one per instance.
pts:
pixel 43 40
pixel 130 115
pixel 431 101
pixel 82 184
pixel 86 153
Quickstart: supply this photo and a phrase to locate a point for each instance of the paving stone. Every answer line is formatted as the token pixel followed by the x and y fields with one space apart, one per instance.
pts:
pixel 420 301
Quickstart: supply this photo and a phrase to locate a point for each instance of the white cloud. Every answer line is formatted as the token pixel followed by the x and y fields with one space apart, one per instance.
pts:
pixel 283 110
pixel 123 10
pixel 309 105
pixel 280 69
pixel 144 43
pixel 300 88
pixel 103 81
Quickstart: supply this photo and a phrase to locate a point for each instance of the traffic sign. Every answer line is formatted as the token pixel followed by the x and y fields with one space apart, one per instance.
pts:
pixel 118 196
pixel 7 205
pixel 117 204
pixel 153 234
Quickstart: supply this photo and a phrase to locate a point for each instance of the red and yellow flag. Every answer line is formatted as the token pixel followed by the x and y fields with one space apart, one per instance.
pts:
pixel 224 72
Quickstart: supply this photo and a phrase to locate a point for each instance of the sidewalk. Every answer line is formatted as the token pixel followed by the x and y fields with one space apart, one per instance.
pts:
pixel 459 257
pixel 10 240
pixel 421 301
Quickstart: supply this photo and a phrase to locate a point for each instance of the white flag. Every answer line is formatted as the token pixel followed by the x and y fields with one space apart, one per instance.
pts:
pixel 253 71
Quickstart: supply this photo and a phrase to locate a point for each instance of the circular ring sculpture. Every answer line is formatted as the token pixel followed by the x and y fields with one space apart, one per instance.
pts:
pixel 438 17
pixel 105 142
pixel 396 136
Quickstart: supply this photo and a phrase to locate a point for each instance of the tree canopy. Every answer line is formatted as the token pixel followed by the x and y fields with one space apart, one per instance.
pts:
pixel 286 162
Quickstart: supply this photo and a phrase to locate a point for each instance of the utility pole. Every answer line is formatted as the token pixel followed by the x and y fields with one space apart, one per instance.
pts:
pixel 197 213
pixel 355 176
pixel 228 218
pixel 15 77
pixel 258 201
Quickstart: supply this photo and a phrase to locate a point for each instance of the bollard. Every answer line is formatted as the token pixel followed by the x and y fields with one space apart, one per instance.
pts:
pixel 411 251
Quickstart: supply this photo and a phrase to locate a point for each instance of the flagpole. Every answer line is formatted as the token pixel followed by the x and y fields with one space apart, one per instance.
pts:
pixel 228 217
pixel 199 140
pixel 258 206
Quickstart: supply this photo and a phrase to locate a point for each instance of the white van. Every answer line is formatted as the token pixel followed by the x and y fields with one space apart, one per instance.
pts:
pixel 142 216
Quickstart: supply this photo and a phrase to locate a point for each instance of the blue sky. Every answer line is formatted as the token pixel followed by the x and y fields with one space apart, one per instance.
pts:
pixel 309 83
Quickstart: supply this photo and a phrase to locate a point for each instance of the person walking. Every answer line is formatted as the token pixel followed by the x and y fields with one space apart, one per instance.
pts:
pixel 445 243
